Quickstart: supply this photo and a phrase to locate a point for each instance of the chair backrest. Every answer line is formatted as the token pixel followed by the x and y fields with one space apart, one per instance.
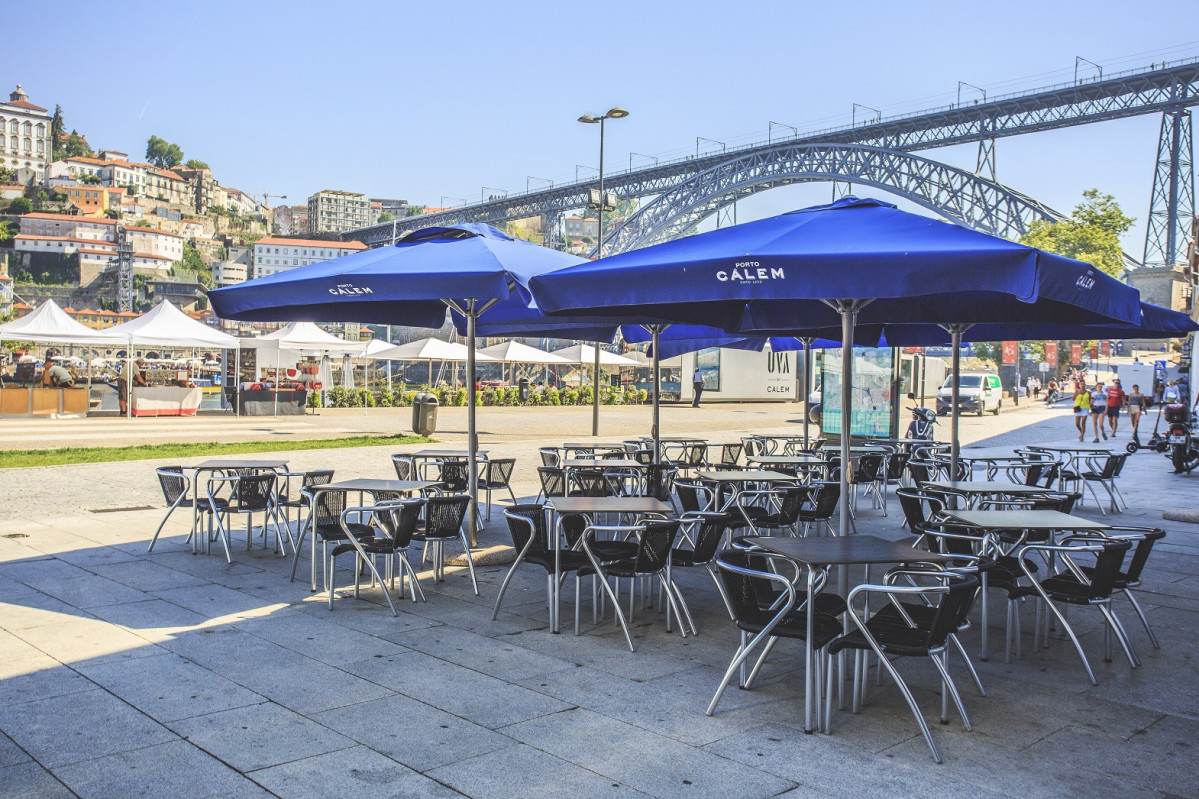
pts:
pixel 911 502
pixel 453 475
pixel 1141 554
pixel 1110 465
pixel 749 590
pixel 644 456
pixel 317 477
pixel 590 483
pixel 444 515
pixel 689 496
pixel 653 551
pixel 896 464
pixel 825 503
pixel 920 471
pixel 659 481
pixel 1061 501
pixel 173 483
pixel 1120 460
pixel 526 523
pixel 253 493
pixel 953 608
pixel 327 509
pixel 869 468
pixel 791 503
pixel 498 471
pixel 731 453
pixel 573 525
pixel 549 456
pixel 553 481
pixel 696 455
pixel 1050 474
pixel 753 446
pixel 1032 473
pixel 709 534
pixel 398 521
pixel 1108 560
pixel 405 467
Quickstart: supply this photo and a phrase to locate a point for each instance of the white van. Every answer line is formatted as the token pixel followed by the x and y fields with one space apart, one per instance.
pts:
pixel 977 391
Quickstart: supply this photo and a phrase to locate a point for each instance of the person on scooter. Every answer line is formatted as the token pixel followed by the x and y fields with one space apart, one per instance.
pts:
pixel 1098 411
pixel 1052 394
pixel 1115 400
pixel 1082 409
pixel 1136 404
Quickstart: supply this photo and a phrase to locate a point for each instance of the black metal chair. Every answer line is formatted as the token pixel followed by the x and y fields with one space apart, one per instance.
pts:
pixel 704 533
pixel 443 522
pixel 1105 476
pixel 527 525
pixel 405 466
pixel 299 501
pixel 390 536
pixel 175 485
pixel 764 604
pixel 549 457
pixel 250 494
pixel 1129 578
pixel 496 474
pixel 1089 586
pixel 326 525
pixel 926 636
pixel 823 506
pixel 656 538
pixel 730 454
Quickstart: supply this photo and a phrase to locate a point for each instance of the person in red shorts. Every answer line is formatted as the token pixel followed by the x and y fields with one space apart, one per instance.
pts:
pixel 1115 401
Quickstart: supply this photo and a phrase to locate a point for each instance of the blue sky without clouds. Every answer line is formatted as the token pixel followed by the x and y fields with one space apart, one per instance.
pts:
pixel 418 101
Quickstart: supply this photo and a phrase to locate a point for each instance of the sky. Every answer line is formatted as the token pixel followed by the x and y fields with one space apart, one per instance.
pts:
pixel 444 102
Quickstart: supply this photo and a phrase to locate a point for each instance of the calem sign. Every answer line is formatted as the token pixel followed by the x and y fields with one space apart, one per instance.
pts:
pixel 750 272
pixel 349 290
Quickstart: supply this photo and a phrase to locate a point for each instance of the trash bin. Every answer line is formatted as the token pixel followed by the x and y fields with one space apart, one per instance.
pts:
pixel 424 413
pixel 523 383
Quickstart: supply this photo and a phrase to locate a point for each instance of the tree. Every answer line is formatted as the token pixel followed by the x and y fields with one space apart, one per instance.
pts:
pixel 415 210
pixel 7 175
pixel 386 216
pixel 162 153
pixel 57 128
pixel 21 205
pixel 112 213
pixel 77 147
pixel 192 163
pixel 1091 234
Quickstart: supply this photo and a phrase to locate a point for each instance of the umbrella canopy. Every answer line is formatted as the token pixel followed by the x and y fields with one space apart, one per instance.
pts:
pixel 466 267
pixel 49 324
pixel 515 352
pixel 167 326
pixel 855 260
pixel 429 349
pixel 305 337
pixel 585 354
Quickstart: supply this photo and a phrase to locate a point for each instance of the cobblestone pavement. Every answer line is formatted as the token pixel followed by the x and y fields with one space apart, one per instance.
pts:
pixel 124 673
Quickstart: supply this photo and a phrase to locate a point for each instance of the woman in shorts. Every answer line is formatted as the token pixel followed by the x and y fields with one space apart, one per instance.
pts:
pixel 1136 404
pixel 1082 408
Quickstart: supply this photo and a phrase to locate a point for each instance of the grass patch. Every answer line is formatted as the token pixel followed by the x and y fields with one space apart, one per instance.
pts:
pixel 21 458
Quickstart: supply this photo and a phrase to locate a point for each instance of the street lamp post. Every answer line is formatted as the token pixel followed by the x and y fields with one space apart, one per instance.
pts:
pixel 590 119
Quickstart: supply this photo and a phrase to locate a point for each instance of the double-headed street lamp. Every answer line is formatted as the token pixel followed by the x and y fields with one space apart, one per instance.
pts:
pixel 602 203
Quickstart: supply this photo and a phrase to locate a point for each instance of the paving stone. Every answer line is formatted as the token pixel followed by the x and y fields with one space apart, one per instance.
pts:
pixel 353 772
pixel 499 657
pixel 525 771
pixel 111 726
pixel 31 781
pixel 418 735
pixel 156 771
pixel 10 753
pixel 258 736
pixel 320 638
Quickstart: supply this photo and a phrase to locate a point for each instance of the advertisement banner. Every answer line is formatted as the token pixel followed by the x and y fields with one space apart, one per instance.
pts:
pixel 1076 353
pixel 1095 353
pixel 871 385
pixel 1010 351
pixel 1105 348
pixel 1051 353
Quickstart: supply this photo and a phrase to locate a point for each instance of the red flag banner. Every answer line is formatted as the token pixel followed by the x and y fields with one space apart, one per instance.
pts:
pixel 1105 348
pixel 1076 353
pixel 1051 353
pixel 1010 350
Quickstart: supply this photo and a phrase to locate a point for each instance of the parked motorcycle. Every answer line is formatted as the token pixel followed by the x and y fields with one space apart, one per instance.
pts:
pixel 1180 435
pixel 922 423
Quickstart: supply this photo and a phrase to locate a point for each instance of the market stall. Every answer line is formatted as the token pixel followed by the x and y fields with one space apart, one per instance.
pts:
pixel 283 379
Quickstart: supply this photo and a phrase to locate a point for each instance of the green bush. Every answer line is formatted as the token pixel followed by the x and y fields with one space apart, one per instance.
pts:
pixel 553 396
pixel 642 396
pixel 314 399
pixel 536 398
pixel 610 397
pixel 445 395
pixel 407 399
pixel 489 397
pixel 570 397
pixel 512 396
pixel 460 398
pixel 384 399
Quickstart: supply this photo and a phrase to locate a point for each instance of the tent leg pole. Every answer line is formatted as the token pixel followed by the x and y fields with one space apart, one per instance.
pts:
pixel 237 382
pixel 472 468
pixel 807 386
pixel 955 332
pixel 275 407
pixel 595 399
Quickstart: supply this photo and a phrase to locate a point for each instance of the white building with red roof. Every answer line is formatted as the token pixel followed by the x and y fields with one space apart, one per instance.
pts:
pixel 274 254
pixel 25 145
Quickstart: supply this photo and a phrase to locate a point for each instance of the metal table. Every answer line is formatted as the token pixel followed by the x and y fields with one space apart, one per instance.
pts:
pixel 975 490
pixel 816 553
pixel 221 465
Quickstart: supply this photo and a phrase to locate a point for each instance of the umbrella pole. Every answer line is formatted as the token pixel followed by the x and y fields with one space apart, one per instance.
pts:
pixel 472 469
pixel 275 407
pixel 656 331
pixel 807 385
pixel 595 400
pixel 237 381
pixel 955 332
pixel 849 314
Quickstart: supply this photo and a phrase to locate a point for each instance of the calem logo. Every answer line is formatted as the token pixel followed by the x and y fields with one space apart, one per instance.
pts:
pixel 750 272
pixel 349 289
pixel 1086 281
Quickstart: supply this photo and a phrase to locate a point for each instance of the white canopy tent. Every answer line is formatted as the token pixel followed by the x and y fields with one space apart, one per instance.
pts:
pixel 430 349
pixel 295 339
pixel 49 324
pixel 514 352
pixel 585 354
pixel 167 326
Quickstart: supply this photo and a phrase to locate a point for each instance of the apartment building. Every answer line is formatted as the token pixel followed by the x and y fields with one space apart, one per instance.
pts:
pixel 333 211
pixel 274 254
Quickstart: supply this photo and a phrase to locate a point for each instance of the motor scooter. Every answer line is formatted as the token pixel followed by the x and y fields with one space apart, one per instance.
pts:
pixel 923 419
pixel 1156 442
pixel 1181 438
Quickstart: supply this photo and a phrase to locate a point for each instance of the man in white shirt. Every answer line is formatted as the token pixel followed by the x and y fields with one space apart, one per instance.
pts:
pixel 697 383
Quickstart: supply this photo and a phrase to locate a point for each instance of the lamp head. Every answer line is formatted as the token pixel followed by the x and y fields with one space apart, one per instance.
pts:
pixel 590 119
pixel 616 112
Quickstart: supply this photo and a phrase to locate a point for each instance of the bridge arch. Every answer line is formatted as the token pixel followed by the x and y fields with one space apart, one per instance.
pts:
pixel 956 194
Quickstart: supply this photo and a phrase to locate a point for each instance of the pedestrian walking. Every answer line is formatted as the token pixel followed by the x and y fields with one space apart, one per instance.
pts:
pixel 1098 411
pixel 1136 405
pixel 697 383
pixel 1082 408
pixel 1115 401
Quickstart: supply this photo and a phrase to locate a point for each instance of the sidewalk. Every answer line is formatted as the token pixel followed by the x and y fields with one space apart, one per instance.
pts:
pixel 124 673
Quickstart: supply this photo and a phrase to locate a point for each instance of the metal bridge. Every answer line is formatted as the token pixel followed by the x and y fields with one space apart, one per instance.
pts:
pixel 881 153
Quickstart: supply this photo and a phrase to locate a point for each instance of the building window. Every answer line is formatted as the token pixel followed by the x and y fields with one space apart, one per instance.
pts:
pixel 28 128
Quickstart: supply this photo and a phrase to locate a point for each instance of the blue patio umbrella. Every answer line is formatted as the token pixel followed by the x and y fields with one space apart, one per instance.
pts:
pixel 855 260
pixel 468 268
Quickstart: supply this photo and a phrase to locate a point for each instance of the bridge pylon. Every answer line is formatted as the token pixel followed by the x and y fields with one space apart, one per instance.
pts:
pixel 1172 202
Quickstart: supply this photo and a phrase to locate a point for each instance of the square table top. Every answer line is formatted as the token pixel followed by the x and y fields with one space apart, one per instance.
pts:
pixel 446 453
pixel 1068 447
pixel 1025 520
pixel 592 445
pixel 845 550
pixel 806 458
pixel 744 476
pixel 233 463
pixel 609 505
pixel 984 487
pixel 371 485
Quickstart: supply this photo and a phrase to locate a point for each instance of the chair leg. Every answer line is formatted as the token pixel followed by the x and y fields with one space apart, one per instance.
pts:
pixel 162 524
pixel 616 607
pixel 1136 606
pixel 504 587
pixel 1074 638
pixel 1113 623
pixel 470 561
pixel 969 666
pixel 947 683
